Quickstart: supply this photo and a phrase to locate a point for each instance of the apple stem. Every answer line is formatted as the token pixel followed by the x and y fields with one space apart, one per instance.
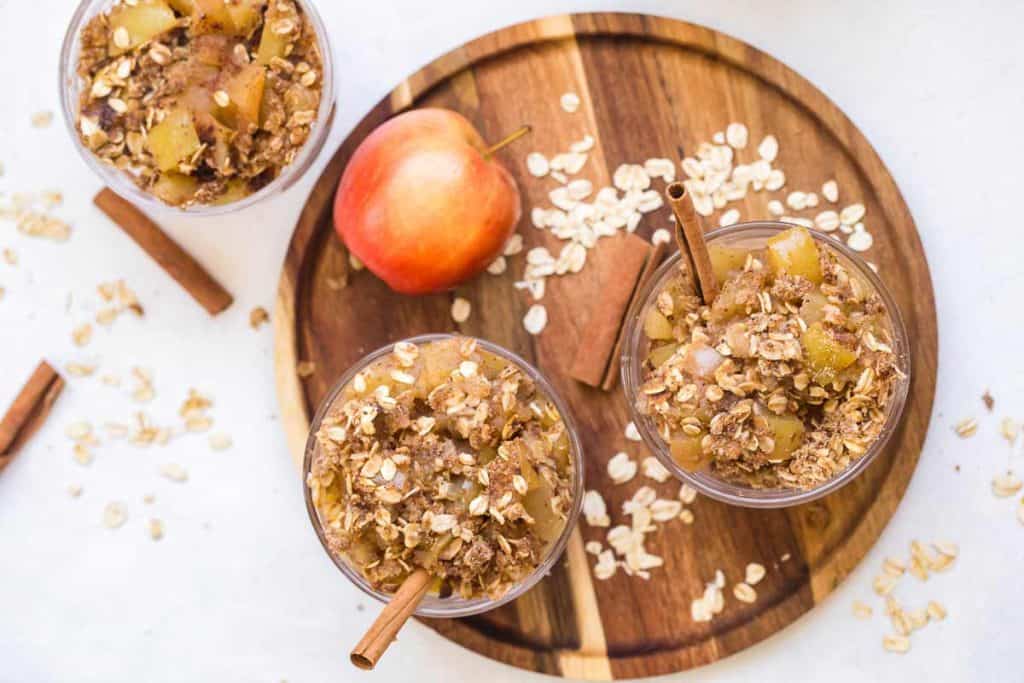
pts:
pixel 508 139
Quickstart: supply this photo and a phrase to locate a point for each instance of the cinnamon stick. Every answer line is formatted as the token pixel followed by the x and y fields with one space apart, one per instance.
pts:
pixel 177 262
pixel 611 375
pixel 590 365
pixel 690 239
pixel 371 647
pixel 28 411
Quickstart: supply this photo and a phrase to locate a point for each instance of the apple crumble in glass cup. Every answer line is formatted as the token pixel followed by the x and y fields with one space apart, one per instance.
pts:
pixel 783 390
pixel 450 454
pixel 199 106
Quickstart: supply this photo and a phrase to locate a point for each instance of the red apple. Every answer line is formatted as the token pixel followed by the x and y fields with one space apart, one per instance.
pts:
pixel 422 205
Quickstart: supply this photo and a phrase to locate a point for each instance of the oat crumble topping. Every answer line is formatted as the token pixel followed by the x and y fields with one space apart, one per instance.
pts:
pixel 784 380
pixel 447 457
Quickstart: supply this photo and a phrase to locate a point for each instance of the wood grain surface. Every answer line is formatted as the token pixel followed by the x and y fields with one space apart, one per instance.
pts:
pixel 650 87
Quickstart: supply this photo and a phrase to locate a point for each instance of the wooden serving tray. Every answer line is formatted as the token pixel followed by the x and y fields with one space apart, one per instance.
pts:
pixel 648 85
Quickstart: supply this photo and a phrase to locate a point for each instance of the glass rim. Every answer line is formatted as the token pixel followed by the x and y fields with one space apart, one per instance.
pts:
pixel 717 488
pixel 433 606
pixel 120 181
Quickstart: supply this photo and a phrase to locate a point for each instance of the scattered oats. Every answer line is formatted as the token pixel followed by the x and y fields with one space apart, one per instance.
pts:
pixel 114 515
pixel 536 319
pixel 827 221
pixel 537 164
pixel 1020 511
pixel 461 309
pixel 1006 485
pixel 155 528
pixel 149 499
pixel 514 245
pixel 776 208
pixel 632 433
pixel 936 611
pixel 595 510
pixel 796 200
pixel 883 584
pixel 776 180
pixel 744 593
pixel 947 548
pixel 10 257
pixel 860 240
pixel 653 469
pixel 785 557
pixel 830 191
pixel 755 572
pixel 861 610
pixel 79 369
pixel 593 547
pixel 661 236
pixel 687 494
pixel 257 317
pixel 665 510
pixel 661 168
pixel 1009 429
pixel 730 217
pixel 305 369
pixel 718 137
pixel 580 147
pixel 686 516
pixel 811 199
pixel 769 148
pixel 893 567
pixel 967 427
pixel 74 490
pixel 898 644
pixel 81 453
pixel 852 214
pixel 606 566
pixel 621 469
pixel 174 472
pixel 736 135
pixel 43 119
pixel 570 102
pixel 82 334
pixel 219 441
pixel 78 431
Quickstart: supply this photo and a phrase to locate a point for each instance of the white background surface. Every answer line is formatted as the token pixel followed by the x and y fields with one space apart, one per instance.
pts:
pixel 240 590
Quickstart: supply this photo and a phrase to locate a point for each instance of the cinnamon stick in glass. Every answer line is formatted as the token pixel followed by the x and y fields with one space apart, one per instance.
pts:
pixel 382 633
pixel 690 239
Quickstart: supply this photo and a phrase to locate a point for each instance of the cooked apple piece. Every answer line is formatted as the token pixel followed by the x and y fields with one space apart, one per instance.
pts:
pixel 271 44
pixel 213 49
pixel 175 188
pixel 657 326
pixel 812 309
pixel 825 355
pixel 788 432
pixel 141 22
pixel 439 360
pixel 245 15
pixel 211 16
pixel 793 252
pixel 245 93
pixel 738 296
pixel 726 260
pixel 182 6
pixel 537 503
pixel 236 189
pixel 687 452
pixel 174 140
pixel 660 354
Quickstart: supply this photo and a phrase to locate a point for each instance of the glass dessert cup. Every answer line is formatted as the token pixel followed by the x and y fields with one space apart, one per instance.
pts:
pixel 754 235
pixel 453 606
pixel 122 183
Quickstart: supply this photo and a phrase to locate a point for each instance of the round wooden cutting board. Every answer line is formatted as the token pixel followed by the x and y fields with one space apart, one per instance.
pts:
pixel 650 87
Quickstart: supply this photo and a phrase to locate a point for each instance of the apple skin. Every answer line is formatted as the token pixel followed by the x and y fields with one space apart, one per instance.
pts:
pixel 421 207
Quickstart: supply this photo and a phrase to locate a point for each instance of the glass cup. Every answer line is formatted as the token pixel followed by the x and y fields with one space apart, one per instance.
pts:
pixel 453 606
pixel 121 182
pixel 755 235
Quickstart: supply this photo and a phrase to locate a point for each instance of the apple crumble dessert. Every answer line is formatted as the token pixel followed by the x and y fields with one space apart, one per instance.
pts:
pixel 200 101
pixel 443 456
pixel 784 380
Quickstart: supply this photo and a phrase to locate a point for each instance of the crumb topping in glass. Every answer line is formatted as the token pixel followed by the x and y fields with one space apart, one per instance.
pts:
pixel 447 457
pixel 784 380
pixel 199 101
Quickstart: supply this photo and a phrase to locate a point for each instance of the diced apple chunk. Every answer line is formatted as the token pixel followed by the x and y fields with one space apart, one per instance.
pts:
pixel 271 45
pixel 245 15
pixel 211 16
pixel 726 260
pixel 175 188
pixel 174 140
pixel 788 433
pixel 245 94
pixel 794 252
pixel 657 326
pixel 185 7
pixel 825 355
pixel 812 309
pixel 133 25
pixel 660 354
pixel 235 190
pixel 687 452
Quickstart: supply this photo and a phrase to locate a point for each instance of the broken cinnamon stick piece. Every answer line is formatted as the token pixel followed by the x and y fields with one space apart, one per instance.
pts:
pixel 371 647
pixel 601 332
pixel 177 262
pixel 690 239
pixel 28 411
pixel 611 375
